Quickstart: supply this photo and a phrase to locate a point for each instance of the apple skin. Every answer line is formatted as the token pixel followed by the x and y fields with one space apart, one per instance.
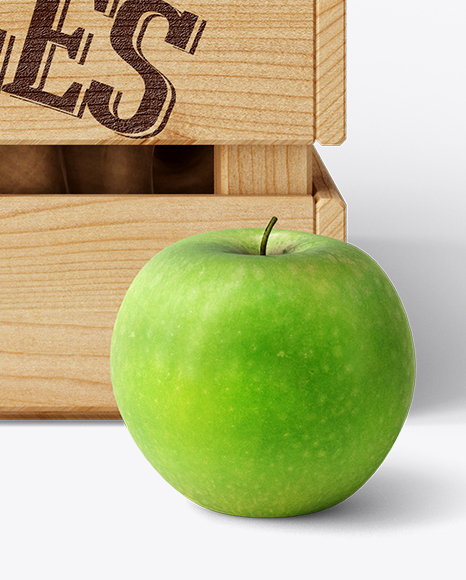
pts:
pixel 263 386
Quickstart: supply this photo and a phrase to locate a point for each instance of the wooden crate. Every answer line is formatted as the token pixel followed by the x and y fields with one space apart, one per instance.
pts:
pixel 259 83
pixel 214 72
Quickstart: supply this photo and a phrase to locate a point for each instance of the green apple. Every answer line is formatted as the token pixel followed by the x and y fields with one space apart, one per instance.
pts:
pixel 263 385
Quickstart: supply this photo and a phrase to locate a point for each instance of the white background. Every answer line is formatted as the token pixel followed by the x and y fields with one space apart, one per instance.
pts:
pixel 78 500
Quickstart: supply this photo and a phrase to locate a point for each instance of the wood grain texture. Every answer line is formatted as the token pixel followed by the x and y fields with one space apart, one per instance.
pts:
pixel 330 208
pixel 66 262
pixel 330 72
pixel 249 80
pixel 263 170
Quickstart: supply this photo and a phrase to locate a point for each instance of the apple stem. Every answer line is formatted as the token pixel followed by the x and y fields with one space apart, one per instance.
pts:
pixel 266 235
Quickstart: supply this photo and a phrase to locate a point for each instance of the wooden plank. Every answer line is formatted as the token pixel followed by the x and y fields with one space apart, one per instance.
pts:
pixel 330 72
pixel 66 262
pixel 330 207
pixel 263 170
pixel 209 72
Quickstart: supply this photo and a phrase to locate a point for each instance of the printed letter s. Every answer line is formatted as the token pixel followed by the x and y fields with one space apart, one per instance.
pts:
pixel 159 94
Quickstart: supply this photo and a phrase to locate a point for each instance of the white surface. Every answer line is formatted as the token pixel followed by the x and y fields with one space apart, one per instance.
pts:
pixel 80 501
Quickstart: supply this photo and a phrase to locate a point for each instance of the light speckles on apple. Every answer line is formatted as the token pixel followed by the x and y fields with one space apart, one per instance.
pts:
pixel 337 351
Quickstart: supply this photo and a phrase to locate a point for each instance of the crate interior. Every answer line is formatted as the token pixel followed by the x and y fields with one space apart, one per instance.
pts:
pixel 76 169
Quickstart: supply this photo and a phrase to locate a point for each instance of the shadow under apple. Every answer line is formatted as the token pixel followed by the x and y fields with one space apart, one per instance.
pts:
pixel 394 497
